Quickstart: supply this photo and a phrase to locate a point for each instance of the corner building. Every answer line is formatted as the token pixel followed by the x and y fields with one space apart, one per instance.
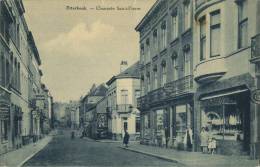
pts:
pixel 166 57
pixel 226 69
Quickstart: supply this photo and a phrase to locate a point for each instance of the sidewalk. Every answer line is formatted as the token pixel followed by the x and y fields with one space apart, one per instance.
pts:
pixel 192 159
pixel 20 156
pixel 113 141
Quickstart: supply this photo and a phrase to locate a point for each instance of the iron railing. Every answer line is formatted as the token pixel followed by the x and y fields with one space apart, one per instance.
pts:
pixel 171 89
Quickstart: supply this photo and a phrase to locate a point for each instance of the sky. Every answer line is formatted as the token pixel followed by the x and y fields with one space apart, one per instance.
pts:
pixel 81 47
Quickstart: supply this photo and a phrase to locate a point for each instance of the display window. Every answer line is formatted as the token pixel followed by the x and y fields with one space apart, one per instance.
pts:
pixel 223 121
pixel 181 119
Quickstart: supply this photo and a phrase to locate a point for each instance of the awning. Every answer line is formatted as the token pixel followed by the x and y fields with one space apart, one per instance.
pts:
pixel 232 92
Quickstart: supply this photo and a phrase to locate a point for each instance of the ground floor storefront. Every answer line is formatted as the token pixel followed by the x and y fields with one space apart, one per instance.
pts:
pixel 169 125
pixel 121 122
pixel 224 109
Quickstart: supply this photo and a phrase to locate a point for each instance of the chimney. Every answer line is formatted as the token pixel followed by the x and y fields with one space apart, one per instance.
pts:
pixel 123 66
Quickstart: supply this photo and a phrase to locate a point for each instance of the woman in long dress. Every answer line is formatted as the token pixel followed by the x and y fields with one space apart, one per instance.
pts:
pixel 204 140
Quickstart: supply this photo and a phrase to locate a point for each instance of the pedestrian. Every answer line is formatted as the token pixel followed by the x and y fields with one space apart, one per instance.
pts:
pixel 212 145
pixel 188 139
pixel 204 140
pixel 72 135
pixel 126 139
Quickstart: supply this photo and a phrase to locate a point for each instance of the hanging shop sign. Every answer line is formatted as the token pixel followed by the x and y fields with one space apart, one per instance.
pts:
pixel 101 121
pixel 4 96
pixel 255 96
pixel 4 111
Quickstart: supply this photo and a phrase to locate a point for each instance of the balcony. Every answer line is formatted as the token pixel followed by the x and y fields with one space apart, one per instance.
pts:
pixel 216 68
pixel 255 49
pixel 173 89
pixel 180 86
pixel 124 108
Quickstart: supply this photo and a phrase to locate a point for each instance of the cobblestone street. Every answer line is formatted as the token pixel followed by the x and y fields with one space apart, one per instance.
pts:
pixel 62 151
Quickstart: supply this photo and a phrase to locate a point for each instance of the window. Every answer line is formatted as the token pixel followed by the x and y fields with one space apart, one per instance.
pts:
pixel 2 68
pixel 242 24
pixel 4 133
pixel 163 35
pixel 7 83
pixel 148 55
pixel 164 72
pixel 5 21
pixel 202 38
pixel 155 75
pixel 187 62
pixel 124 96
pixel 142 84
pixel 142 53
pixel 174 22
pixel 137 95
pixel 187 15
pixel 175 67
pixel 19 77
pixel 215 33
pixel 155 41
pixel 148 80
pixel 137 125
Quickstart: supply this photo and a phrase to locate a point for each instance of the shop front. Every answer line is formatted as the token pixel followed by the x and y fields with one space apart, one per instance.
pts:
pixel 182 127
pixel 226 117
pixel 4 121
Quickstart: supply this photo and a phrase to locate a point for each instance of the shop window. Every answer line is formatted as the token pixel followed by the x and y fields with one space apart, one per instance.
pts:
pixel 242 24
pixel 4 133
pixel 202 38
pixel 215 33
pixel 181 120
pixel 224 121
pixel 160 120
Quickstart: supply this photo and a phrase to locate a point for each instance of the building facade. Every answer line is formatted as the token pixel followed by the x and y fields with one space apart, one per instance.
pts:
pixel 226 43
pixel 17 53
pixel 166 58
pixel 123 90
pixel 200 65
pixel 100 117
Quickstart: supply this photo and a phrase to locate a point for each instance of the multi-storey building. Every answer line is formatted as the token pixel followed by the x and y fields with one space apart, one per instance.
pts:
pixel 166 47
pixel 123 90
pixel 226 69
pixel 88 106
pixel 100 123
pixel 17 53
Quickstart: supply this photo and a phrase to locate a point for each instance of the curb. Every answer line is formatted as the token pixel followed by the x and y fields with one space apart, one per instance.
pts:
pixel 152 155
pixel 33 154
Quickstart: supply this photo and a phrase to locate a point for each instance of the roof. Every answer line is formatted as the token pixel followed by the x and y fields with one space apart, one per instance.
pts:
pixel 99 91
pixel 131 72
pixel 34 48
pixel 148 15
